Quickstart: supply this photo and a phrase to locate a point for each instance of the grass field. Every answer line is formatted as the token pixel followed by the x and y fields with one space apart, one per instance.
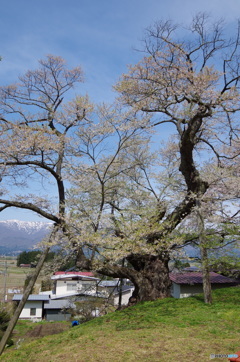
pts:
pixel 164 330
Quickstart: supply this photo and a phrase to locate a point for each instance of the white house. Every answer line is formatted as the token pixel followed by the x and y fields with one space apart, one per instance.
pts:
pixel 73 283
pixel 51 305
pixel 70 287
pixel 190 283
pixel 34 307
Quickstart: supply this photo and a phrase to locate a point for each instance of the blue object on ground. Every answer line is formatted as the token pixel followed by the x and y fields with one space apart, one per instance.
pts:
pixel 75 323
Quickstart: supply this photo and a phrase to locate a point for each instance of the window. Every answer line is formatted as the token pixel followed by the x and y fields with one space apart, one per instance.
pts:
pixel 88 286
pixel 71 286
pixel 32 311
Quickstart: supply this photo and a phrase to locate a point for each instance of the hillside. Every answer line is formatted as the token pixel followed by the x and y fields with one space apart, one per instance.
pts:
pixel 164 330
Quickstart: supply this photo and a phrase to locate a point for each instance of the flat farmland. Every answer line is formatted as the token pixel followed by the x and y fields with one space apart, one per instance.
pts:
pixel 12 277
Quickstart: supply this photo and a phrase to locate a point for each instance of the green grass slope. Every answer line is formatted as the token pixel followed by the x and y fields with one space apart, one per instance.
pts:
pixel 164 330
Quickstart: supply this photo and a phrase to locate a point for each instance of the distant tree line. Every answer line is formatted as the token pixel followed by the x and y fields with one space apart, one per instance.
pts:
pixel 31 257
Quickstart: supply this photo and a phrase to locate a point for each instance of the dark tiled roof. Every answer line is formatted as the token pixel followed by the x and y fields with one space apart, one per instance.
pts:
pixel 196 278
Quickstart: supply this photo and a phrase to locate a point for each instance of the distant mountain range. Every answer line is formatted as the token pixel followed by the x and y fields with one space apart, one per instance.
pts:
pixel 17 236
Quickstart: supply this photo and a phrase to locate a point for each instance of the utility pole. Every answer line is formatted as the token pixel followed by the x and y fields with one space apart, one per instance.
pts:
pixel 5 282
pixel 4 266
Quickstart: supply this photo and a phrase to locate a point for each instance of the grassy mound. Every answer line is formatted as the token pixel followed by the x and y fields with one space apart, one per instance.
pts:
pixel 164 330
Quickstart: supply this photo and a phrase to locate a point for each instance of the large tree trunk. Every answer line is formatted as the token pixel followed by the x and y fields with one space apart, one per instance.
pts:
pixel 152 279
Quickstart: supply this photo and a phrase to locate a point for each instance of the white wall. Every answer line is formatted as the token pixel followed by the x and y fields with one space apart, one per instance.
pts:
pixel 61 287
pixel 183 291
pixel 188 290
pixel 25 314
pixel 74 285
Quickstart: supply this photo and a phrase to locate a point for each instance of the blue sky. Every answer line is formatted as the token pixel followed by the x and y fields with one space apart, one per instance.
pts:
pixel 99 35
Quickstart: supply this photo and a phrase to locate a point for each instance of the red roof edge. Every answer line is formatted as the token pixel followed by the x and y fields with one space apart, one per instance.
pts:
pixel 86 274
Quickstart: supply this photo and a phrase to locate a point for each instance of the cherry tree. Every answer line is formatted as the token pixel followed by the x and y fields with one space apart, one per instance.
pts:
pixel 189 78
pixel 36 128
pixel 118 199
pixel 47 142
pixel 127 204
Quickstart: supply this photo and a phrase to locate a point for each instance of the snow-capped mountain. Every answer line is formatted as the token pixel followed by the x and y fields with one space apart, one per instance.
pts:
pixel 16 236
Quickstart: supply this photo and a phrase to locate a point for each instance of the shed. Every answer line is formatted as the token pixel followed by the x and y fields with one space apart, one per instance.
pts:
pixel 190 283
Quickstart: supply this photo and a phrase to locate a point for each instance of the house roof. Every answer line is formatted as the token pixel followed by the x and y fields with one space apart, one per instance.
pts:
pixel 32 297
pixel 58 304
pixel 86 274
pixel 70 275
pixel 108 283
pixel 196 278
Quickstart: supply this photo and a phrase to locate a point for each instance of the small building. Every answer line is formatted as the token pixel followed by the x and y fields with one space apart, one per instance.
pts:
pixel 191 283
pixel 57 310
pixel 34 307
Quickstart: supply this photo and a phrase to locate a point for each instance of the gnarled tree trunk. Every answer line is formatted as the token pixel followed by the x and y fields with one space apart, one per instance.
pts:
pixel 150 276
